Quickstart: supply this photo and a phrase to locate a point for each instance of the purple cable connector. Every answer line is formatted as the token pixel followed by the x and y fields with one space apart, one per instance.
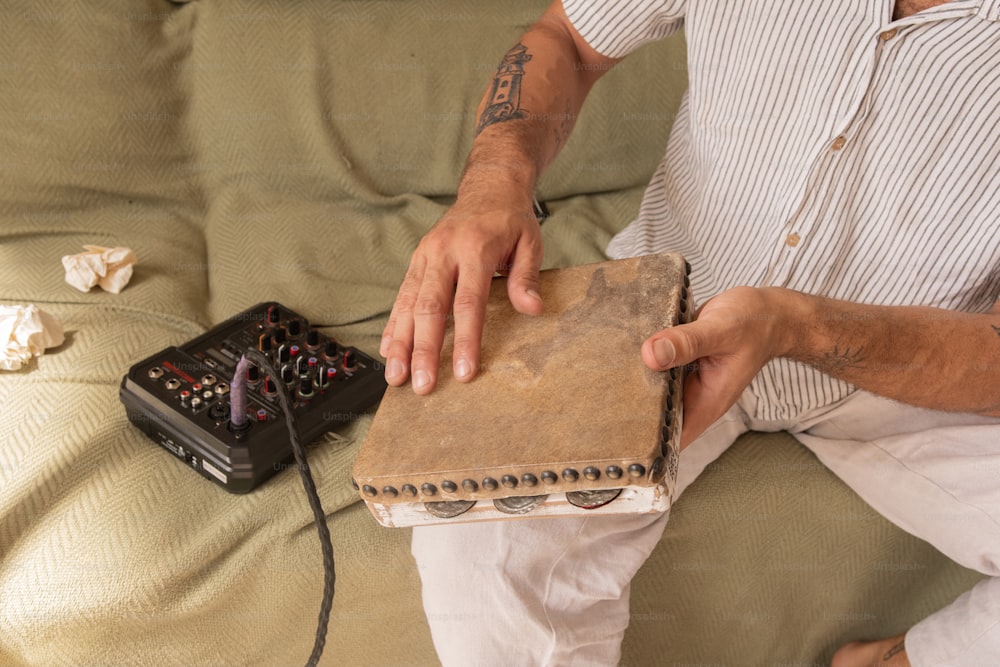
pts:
pixel 238 394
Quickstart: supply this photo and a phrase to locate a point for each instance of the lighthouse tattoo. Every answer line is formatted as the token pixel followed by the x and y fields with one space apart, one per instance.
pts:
pixel 505 95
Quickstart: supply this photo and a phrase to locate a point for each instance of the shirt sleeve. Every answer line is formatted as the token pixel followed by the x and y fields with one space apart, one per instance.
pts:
pixel 616 29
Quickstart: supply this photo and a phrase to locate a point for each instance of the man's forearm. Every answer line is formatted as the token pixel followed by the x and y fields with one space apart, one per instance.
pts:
pixel 529 108
pixel 524 119
pixel 929 357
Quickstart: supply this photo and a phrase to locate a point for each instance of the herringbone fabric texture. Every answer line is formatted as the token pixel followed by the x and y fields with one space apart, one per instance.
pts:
pixel 254 150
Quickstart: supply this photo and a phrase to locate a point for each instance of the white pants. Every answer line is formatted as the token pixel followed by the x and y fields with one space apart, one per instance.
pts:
pixel 556 591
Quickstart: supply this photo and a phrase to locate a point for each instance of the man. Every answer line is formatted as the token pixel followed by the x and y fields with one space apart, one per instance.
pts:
pixel 833 179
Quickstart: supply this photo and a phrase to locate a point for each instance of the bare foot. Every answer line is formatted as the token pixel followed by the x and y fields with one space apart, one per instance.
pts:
pixel 889 652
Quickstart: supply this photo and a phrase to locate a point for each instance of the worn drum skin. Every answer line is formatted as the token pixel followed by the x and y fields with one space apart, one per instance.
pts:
pixel 563 417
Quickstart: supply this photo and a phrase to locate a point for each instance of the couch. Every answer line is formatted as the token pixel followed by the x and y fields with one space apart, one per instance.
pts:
pixel 250 150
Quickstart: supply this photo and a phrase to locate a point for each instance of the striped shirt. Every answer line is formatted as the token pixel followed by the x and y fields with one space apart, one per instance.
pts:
pixel 823 147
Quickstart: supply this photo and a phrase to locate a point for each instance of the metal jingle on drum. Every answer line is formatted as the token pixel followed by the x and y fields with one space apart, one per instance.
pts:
pixel 590 500
pixel 519 504
pixel 446 509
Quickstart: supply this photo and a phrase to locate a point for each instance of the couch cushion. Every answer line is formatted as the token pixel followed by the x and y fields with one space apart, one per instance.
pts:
pixel 122 126
pixel 297 151
pixel 362 99
pixel 94 152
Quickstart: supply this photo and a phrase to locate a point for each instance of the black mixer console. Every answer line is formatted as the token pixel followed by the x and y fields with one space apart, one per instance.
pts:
pixel 183 397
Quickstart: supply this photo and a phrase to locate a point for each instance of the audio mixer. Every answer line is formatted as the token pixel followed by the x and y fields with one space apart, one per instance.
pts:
pixel 229 426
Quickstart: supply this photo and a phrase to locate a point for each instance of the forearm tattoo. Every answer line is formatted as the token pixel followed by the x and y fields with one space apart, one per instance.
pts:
pixel 839 360
pixel 898 648
pixel 505 94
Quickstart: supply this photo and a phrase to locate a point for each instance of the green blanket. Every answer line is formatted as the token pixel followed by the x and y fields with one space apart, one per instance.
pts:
pixel 297 151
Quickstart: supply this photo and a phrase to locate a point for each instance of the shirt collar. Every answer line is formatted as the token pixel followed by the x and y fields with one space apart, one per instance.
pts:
pixel 989 10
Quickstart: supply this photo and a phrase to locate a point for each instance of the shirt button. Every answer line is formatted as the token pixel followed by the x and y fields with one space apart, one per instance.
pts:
pixel 839 143
pixel 888 34
pixel 792 240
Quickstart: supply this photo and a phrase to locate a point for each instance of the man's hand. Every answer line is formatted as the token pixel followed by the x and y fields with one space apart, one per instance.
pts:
pixel 491 228
pixel 450 272
pixel 731 339
pixel 887 350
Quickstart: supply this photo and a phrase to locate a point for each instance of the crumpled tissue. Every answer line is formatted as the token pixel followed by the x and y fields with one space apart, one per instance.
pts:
pixel 111 268
pixel 26 331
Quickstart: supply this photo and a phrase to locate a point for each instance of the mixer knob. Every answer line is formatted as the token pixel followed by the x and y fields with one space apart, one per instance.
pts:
pixel 312 339
pixel 350 362
pixel 322 379
pixel 284 354
pixel 273 315
pixel 331 350
pixel 295 328
pixel 302 366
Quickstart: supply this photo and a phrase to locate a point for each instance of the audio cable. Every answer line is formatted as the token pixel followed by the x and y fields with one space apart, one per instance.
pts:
pixel 238 419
